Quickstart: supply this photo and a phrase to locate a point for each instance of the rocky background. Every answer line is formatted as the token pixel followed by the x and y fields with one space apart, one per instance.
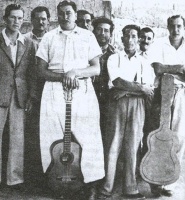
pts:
pixel 141 12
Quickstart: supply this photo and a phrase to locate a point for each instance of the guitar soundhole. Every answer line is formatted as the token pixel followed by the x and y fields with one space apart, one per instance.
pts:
pixel 66 158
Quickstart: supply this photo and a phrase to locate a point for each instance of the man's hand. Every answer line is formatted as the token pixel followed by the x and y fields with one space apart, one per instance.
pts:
pixel 117 94
pixel 70 81
pixel 159 68
pixel 147 90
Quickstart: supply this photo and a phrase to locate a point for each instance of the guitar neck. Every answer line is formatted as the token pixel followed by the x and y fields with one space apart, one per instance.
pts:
pixel 167 92
pixel 67 133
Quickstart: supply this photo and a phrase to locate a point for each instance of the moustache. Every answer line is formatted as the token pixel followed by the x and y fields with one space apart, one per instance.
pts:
pixel 65 21
pixel 145 43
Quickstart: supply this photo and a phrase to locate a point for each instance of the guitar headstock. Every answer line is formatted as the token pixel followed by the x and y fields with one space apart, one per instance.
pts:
pixel 67 94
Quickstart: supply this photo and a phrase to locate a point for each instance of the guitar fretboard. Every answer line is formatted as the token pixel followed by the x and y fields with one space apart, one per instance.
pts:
pixel 67 134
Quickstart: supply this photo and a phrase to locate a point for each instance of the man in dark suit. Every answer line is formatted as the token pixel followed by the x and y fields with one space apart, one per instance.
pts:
pixel 17 90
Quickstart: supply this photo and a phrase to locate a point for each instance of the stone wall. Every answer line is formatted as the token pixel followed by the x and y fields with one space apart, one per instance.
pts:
pixel 96 7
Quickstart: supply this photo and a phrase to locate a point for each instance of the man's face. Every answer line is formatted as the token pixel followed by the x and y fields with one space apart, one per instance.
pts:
pixel 102 33
pixel 40 21
pixel 146 39
pixel 66 17
pixel 176 29
pixel 84 21
pixel 130 39
pixel 14 20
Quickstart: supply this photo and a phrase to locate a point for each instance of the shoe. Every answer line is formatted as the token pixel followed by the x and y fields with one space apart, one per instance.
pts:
pixel 159 191
pixel 167 193
pixel 134 196
pixel 156 191
pixel 20 186
pixel 103 196
pixel 92 194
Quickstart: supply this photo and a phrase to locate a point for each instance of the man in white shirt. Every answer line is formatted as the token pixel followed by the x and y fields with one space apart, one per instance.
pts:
pixel 126 114
pixel 67 57
pixel 170 59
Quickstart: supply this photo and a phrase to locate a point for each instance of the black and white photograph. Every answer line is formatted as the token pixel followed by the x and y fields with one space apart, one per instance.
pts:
pixel 92 99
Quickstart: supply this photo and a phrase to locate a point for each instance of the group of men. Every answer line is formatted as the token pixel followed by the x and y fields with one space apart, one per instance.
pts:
pixel 112 92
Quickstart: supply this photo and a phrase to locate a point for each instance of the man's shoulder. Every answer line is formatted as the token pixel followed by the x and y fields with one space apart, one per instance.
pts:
pixel 51 33
pixel 84 33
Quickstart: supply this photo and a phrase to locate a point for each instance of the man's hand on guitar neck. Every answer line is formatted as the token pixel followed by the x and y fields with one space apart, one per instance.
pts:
pixel 70 81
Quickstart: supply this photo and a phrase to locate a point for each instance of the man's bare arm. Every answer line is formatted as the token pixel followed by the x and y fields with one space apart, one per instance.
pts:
pixel 132 88
pixel 47 74
pixel 160 69
pixel 92 70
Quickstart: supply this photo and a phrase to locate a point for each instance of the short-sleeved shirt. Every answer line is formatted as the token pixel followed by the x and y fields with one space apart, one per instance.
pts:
pixel 64 51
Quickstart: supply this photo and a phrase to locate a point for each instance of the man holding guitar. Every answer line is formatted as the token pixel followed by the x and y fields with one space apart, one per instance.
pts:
pixel 169 58
pixel 67 58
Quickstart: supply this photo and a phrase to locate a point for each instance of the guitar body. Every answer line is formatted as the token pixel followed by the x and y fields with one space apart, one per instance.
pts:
pixel 160 164
pixel 64 172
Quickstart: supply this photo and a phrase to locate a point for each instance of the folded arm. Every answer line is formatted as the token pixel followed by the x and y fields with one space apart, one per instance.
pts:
pixel 132 88
pixel 177 70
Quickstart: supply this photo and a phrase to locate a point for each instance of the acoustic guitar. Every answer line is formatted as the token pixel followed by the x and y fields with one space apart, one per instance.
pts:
pixel 160 164
pixel 64 172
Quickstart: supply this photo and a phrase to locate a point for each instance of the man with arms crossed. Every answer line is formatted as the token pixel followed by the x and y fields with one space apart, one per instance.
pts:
pixel 126 114
pixel 170 59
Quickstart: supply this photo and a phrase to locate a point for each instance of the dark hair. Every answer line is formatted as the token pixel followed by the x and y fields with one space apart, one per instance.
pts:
pixel 84 12
pixel 67 3
pixel 175 17
pixel 146 30
pixel 105 20
pixel 39 9
pixel 131 26
pixel 11 7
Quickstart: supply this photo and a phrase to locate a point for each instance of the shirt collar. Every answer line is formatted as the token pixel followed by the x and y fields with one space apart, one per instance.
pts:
pixel 7 40
pixel 110 48
pixel 75 30
pixel 35 37
pixel 126 55
pixel 143 53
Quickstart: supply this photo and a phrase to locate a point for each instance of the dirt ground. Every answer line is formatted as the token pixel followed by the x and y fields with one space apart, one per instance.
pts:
pixel 35 193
